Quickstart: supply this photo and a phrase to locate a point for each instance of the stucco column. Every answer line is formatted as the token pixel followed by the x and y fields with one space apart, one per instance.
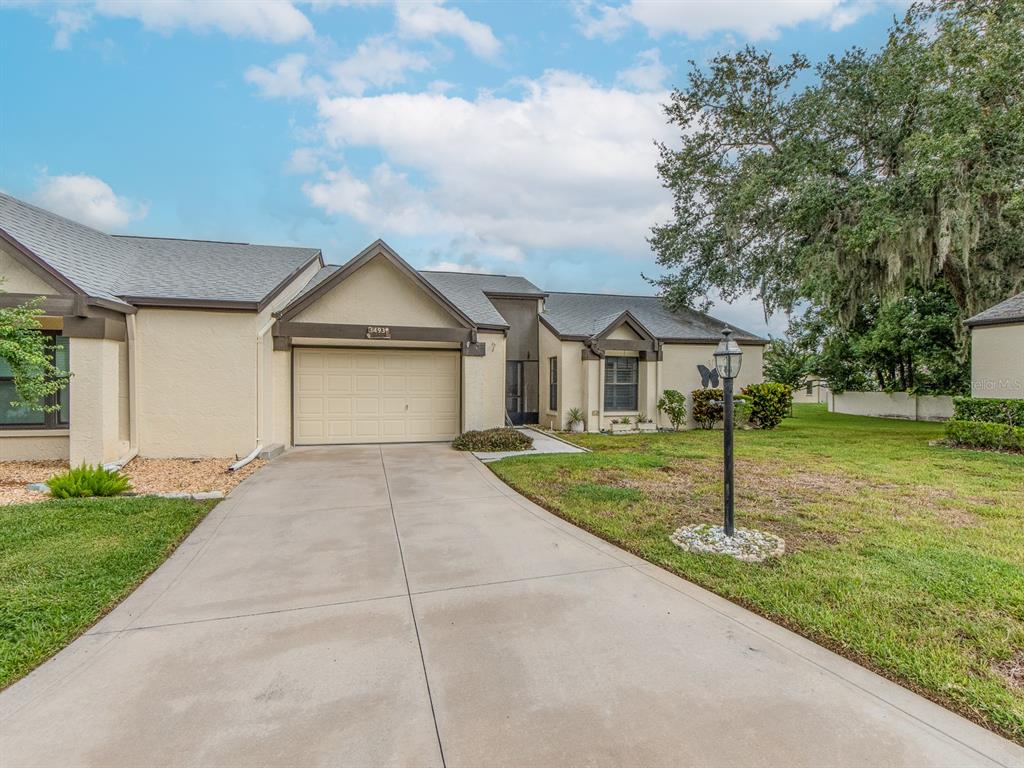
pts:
pixel 592 395
pixel 95 405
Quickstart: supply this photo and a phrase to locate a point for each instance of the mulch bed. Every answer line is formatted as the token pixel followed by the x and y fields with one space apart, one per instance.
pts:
pixel 147 476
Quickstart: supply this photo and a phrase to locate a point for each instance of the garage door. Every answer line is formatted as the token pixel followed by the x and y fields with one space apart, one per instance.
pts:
pixel 375 396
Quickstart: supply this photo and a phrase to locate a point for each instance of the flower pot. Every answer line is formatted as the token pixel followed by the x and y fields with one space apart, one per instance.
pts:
pixel 647 426
pixel 576 426
pixel 618 429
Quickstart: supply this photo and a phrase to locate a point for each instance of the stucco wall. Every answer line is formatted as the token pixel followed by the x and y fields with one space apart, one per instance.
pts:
pixel 997 361
pixel 483 385
pixel 892 405
pixel 196 382
pixel 378 294
pixel 96 398
pixel 18 278
pixel 34 445
pixel 679 372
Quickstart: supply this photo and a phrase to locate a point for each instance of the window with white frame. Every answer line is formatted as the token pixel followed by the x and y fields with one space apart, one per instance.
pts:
pixel 621 379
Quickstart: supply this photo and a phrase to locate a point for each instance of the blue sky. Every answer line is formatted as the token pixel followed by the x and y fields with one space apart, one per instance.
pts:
pixel 502 137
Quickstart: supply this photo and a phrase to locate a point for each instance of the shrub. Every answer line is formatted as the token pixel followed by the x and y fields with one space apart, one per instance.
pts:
pixel 497 439
pixel 985 434
pixel 673 404
pixel 707 407
pixel 87 481
pixel 574 415
pixel 989 409
pixel 769 403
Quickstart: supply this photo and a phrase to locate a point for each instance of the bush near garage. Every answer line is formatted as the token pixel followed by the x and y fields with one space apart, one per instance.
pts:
pixel 498 439
pixel 985 434
pixel 769 403
pixel 87 480
pixel 989 409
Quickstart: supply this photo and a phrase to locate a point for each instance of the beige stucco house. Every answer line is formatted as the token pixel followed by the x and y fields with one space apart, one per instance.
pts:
pixel 199 348
pixel 997 350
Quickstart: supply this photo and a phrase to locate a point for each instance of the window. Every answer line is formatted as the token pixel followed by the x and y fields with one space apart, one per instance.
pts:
pixel 14 417
pixel 552 383
pixel 620 383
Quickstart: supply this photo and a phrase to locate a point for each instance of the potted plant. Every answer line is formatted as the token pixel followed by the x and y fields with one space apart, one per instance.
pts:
pixel 622 424
pixel 645 424
pixel 575 417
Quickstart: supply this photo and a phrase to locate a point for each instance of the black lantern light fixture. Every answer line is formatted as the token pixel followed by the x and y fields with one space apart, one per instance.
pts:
pixel 728 359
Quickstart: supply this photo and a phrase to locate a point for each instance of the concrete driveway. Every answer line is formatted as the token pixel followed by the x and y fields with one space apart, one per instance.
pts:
pixel 399 605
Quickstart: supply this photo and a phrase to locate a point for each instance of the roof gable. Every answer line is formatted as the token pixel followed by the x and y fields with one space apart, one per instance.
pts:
pixel 378 252
pixel 626 320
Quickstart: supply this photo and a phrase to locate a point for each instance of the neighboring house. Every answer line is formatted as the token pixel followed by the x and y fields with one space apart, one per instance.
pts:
pixel 198 348
pixel 997 350
pixel 813 390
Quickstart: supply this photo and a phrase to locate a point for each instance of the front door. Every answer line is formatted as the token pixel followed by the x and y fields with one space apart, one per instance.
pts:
pixel 514 391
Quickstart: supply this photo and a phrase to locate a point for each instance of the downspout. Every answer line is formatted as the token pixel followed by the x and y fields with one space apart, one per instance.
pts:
pixel 133 422
pixel 260 394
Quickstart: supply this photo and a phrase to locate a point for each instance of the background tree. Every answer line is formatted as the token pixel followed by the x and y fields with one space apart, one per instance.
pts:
pixel 786 362
pixel 28 352
pixel 847 187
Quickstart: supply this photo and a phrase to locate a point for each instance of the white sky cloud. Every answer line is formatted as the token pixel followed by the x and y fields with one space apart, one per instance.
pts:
pixel 275 21
pixel 648 74
pixel 377 62
pixel 429 19
pixel 88 200
pixel 754 19
pixel 569 164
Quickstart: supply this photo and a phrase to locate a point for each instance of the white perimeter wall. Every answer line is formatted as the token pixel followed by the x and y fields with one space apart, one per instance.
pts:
pixel 892 405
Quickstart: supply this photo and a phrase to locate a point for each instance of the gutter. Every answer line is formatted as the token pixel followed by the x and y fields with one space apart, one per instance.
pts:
pixel 260 395
pixel 133 422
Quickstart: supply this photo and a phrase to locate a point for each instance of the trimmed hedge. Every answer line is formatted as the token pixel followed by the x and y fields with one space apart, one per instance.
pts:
pixel 497 439
pixel 769 403
pixel 992 410
pixel 985 434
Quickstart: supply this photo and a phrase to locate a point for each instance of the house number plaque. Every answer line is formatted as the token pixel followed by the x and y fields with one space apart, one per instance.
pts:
pixel 378 332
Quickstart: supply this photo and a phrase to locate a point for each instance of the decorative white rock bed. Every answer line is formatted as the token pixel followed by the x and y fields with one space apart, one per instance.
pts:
pixel 747 545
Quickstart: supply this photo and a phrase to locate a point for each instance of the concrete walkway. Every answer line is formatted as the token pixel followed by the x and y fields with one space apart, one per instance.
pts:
pixel 399 606
pixel 542 443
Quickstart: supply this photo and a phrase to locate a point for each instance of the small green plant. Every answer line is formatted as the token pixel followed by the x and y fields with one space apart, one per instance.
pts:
pixel 673 404
pixel 769 403
pixel 498 439
pixel 574 416
pixel 87 480
pixel 642 419
pixel 707 407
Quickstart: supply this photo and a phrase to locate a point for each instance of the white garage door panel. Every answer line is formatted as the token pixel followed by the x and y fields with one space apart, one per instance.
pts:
pixel 361 396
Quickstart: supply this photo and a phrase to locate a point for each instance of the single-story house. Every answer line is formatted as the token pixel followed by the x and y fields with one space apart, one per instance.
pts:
pixel 813 390
pixel 198 348
pixel 997 350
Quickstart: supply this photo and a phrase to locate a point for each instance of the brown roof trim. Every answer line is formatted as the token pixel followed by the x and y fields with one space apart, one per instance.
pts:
pixel 376 248
pixel 994 321
pixel 630 319
pixel 118 306
pixel 37 264
pixel 514 295
pixel 317 257
pixel 175 303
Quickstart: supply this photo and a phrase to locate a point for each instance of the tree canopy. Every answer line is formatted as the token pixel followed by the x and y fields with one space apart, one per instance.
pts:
pixel 859 180
pixel 28 352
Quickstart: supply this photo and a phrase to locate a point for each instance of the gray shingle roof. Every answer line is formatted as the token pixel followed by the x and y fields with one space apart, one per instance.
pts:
pixel 109 266
pixel 585 314
pixel 213 271
pixel 90 259
pixel 1009 311
pixel 466 290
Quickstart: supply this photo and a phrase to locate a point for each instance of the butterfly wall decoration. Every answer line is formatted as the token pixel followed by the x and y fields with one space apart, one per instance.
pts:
pixel 708 376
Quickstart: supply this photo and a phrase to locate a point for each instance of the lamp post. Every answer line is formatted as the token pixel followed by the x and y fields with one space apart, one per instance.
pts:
pixel 728 359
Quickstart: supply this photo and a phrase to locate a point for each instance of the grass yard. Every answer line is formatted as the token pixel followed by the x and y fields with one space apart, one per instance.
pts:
pixel 63 564
pixel 906 557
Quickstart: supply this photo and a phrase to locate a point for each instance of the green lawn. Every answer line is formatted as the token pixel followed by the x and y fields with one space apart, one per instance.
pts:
pixel 63 564
pixel 906 557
